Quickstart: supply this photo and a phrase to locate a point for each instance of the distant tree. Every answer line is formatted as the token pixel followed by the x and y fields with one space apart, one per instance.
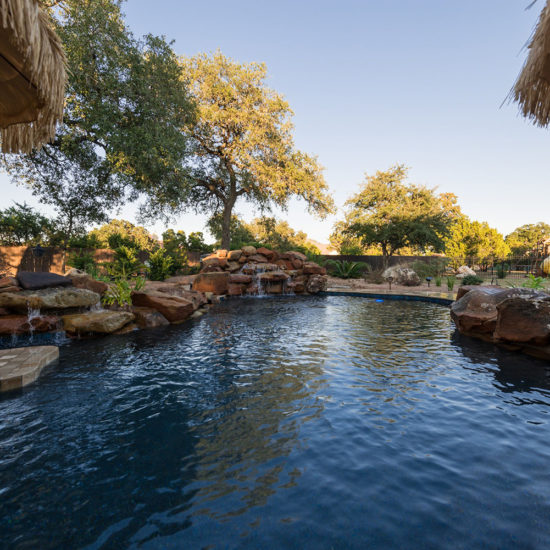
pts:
pixel 243 145
pixel 241 234
pixel 124 107
pixel 391 214
pixel 524 239
pixel 475 240
pixel 119 233
pixel 22 225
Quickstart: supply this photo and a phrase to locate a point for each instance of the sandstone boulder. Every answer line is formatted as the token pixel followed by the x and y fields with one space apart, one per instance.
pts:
pixel 402 276
pixel 248 250
pixel 147 317
pixel 269 254
pixel 211 282
pixel 46 299
pixel 273 276
pixel 235 289
pixel 257 258
pixel 233 267
pixel 181 279
pixel 221 253
pixel 293 255
pixel 234 255
pixel 172 289
pixel 316 283
pixel 20 324
pixel 9 289
pixel 85 281
pixel 102 322
pixel 8 282
pixel 240 278
pixel 476 311
pixel 311 268
pixel 462 290
pixel 30 280
pixel 524 318
pixel 175 308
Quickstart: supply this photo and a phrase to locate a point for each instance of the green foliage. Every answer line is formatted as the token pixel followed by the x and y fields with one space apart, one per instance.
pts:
pixel 120 292
pixel 196 243
pixel 393 215
pixel 160 265
pixel 430 268
pixel 469 239
pixel 451 280
pixel 21 225
pixel 125 263
pixel 344 269
pixel 536 283
pixel 525 239
pixel 502 270
pixel 84 261
pixel 438 280
pixel 125 104
pixel 243 143
pixel 118 233
pixel 472 280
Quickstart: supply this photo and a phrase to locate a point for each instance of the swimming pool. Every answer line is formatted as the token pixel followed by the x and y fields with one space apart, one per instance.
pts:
pixel 313 422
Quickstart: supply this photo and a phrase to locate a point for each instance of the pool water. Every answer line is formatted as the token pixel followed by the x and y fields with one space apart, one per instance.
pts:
pixel 307 423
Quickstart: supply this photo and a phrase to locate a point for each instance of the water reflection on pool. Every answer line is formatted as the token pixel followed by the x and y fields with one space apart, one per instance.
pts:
pixel 281 423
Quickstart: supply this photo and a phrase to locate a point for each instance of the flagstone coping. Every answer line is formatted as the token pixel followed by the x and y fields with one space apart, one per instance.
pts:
pixel 21 366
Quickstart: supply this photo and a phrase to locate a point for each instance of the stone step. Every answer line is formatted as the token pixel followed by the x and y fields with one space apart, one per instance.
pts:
pixel 21 366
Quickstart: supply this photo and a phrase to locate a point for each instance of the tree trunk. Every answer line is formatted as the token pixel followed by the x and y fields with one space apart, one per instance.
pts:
pixel 226 224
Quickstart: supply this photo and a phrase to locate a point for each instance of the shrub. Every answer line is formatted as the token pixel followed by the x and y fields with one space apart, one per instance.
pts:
pixel 344 269
pixel 438 280
pixel 124 264
pixel 472 280
pixel 502 270
pixel 83 261
pixel 536 283
pixel 160 265
pixel 120 292
pixel 430 268
pixel 451 279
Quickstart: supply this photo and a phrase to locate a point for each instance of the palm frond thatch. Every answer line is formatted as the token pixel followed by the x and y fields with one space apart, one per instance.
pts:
pixel 532 88
pixel 33 67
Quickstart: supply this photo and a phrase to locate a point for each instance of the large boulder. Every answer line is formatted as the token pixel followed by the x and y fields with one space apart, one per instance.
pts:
pixel 147 317
pixel 269 254
pixel 463 271
pixel 20 324
pixel 316 283
pixel 234 255
pixel 401 275
pixel 211 282
pixel 476 311
pixel 174 308
pixel 102 322
pixel 464 289
pixel 83 280
pixel 8 282
pixel 248 250
pixel 524 318
pixel 181 279
pixel 30 280
pixel 273 276
pixel 198 298
pixel 257 259
pixel 293 255
pixel 47 299
pixel 240 278
pixel 311 268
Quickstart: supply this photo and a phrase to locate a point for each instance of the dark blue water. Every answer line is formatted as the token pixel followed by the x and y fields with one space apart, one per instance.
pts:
pixel 305 423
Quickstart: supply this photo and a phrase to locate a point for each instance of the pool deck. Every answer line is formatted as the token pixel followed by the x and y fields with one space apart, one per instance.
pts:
pixel 21 366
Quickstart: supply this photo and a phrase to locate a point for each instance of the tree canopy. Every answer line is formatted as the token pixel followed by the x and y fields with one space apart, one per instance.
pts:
pixel 389 213
pixel 476 240
pixel 525 239
pixel 120 138
pixel 21 225
pixel 118 233
pixel 242 143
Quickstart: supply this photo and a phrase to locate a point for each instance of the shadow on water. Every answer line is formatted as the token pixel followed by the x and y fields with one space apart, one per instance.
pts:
pixel 513 371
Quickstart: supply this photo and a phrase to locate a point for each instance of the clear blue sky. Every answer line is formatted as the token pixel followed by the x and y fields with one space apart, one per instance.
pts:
pixel 375 82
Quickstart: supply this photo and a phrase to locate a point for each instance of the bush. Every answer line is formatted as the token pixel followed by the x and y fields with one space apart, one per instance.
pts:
pixel 160 265
pixel 472 280
pixel 345 270
pixel 451 279
pixel 502 270
pixel 438 280
pixel 120 292
pixel 124 264
pixel 83 261
pixel 431 268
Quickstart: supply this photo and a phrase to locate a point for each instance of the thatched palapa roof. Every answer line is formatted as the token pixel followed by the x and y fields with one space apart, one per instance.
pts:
pixel 532 88
pixel 32 76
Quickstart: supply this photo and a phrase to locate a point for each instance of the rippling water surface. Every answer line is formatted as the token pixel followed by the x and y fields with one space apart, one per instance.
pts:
pixel 281 423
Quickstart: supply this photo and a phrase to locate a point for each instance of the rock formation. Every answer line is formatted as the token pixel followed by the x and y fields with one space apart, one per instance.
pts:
pixel 518 318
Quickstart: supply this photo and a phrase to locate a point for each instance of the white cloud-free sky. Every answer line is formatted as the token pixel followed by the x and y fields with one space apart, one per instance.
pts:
pixel 373 83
